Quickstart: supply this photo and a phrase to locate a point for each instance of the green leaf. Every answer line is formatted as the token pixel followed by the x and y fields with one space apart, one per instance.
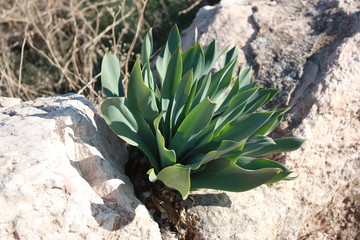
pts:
pixel 167 157
pixel 146 51
pixel 230 55
pixel 233 136
pixel 173 42
pixel 202 90
pixel 238 99
pixel 256 163
pixel 225 81
pixel 170 86
pixel 197 120
pixel 255 143
pixel 176 177
pixel 281 145
pixel 140 96
pixel 272 123
pixel 173 75
pixel 223 174
pixel 221 80
pixel 261 97
pixel 245 76
pixel 244 127
pixel 194 59
pixel 147 48
pixel 181 97
pixel 232 113
pixel 152 175
pixel 190 101
pixel 129 125
pixel 111 76
pixel 211 56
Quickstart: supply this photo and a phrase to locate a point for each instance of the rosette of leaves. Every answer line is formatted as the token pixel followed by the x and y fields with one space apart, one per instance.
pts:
pixel 198 127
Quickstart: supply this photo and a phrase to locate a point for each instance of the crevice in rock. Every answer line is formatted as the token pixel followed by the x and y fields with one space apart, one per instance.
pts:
pixel 246 48
pixel 333 27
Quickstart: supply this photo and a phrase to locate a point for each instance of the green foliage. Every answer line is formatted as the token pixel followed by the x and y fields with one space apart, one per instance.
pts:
pixel 196 128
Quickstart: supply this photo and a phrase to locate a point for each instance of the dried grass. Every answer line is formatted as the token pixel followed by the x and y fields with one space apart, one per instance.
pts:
pixel 55 47
pixel 50 47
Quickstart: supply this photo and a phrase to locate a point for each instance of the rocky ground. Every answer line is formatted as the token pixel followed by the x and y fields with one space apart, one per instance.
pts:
pixel 310 50
pixel 62 170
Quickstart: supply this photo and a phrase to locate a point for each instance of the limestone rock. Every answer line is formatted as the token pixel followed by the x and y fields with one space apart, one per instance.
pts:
pixel 310 50
pixel 276 37
pixel 9 102
pixel 62 175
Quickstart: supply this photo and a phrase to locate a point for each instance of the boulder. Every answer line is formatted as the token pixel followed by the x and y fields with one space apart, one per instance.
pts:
pixel 310 50
pixel 62 175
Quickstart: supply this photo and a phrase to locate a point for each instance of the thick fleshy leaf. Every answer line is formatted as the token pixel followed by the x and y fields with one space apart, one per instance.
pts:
pixel 211 56
pixel 221 80
pixel 281 145
pixel 167 157
pixel 188 104
pixel 245 76
pixel 197 120
pixel 202 90
pixel 220 96
pixel 223 174
pixel 169 88
pixel 259 99
pixel 272 123
pixel 173 75
pixel 173 42
pixel 152 175
pixel 129 125
pixel 225 147
pixel 232 113
pixel 146 51
pixel 230 55
pixel 248 86
pixel 255 143
pixel 111 76
pixel 193 59
pixel 140 96
pixel 239 98
pixel 149 79
pixel 256 163
pixel 234 135
pixel 147 47
pixel 176 177
pixel 244 127
pixel 181 97
pixel 234 90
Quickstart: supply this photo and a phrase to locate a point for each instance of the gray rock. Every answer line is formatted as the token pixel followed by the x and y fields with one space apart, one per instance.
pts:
pixel 310 50
pixel 276 37
pixel 62 175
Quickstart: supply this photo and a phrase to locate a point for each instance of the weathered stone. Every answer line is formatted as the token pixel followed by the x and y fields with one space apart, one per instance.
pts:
pixel 276 37
pixel 310 50
pixel 62 175
pixel 9 102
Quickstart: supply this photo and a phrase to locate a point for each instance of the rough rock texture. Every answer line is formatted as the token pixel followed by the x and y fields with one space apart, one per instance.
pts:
pixel 62 175
pixel 311 50
pixel 276 36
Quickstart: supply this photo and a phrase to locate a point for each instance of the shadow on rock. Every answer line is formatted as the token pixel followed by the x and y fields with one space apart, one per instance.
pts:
pixel 209 199
pixel 109 218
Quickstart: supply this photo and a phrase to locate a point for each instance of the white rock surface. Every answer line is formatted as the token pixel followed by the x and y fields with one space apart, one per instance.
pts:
pixel 62 175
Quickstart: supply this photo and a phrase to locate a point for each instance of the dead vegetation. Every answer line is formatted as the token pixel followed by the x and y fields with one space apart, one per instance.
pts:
pixel 50 47
pixel 54 47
